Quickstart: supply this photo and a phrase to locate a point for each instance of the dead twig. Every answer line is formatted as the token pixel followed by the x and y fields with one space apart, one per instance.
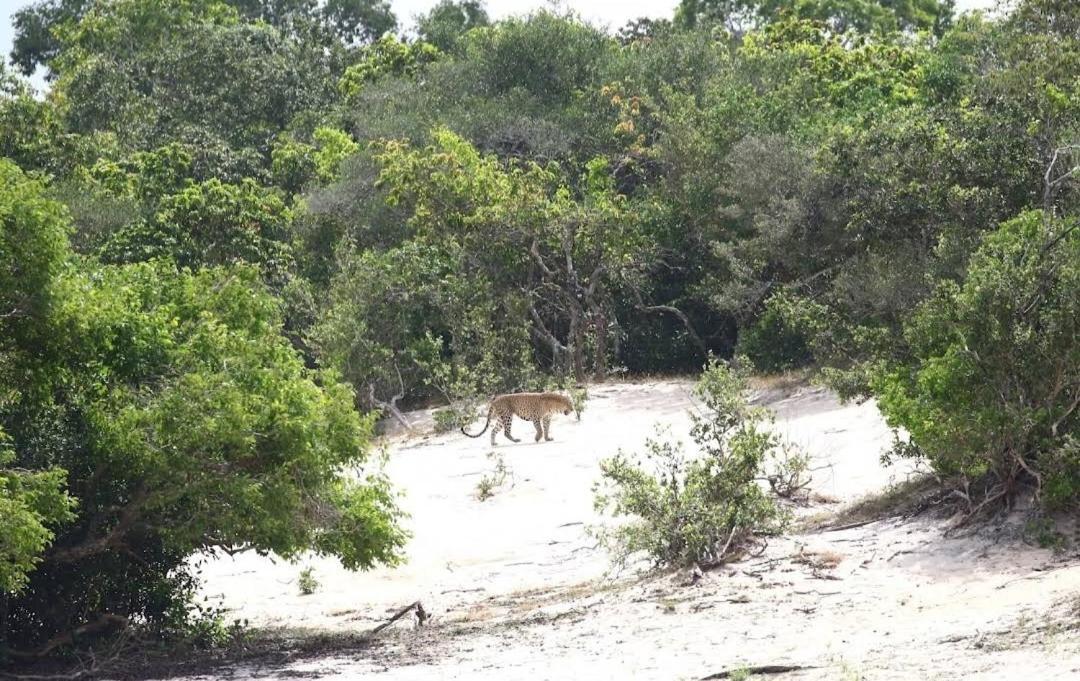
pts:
pixel 391 406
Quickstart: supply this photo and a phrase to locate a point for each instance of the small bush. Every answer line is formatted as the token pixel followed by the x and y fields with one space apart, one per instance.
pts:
pixel 307 582
pixel 701 510
pixel 451 419
pixel 485 489
pixel 205 629
pixel 579 396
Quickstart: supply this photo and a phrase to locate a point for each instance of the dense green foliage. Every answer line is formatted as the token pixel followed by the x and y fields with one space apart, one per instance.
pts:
pixel 170 407
pixel 990 386
pixel 839 15
pixel 233 227
pixel 33 503
pixel 449 20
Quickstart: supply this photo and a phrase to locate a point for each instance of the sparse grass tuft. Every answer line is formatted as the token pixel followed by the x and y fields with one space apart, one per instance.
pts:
pixel 818 560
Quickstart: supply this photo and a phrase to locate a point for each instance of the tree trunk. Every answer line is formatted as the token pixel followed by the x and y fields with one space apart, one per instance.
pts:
pixel 600 329
pixel 577 347
pixel 560 354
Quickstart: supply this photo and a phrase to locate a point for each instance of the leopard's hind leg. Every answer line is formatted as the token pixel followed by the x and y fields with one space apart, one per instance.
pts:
pixel 506 421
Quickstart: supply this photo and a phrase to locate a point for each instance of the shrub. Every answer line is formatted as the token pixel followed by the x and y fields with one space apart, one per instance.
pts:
pixel 704 509
pixel 485 489
pixel 579 396
pixel 772 343
pixel 987 390
pixel 306 582
pixel 451 419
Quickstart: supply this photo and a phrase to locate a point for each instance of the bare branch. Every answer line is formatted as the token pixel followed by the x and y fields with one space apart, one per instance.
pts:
pixel 1051 183
pixel 114 539
pixel 594 280
pixel 534 251
pixel 1068 412
pixel 672 310
pixel 391 406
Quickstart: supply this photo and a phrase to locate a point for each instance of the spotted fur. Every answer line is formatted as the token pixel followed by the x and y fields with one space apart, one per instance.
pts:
pixel 535 407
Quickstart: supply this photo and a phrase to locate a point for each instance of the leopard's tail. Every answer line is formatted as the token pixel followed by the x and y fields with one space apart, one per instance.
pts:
pixel 491 410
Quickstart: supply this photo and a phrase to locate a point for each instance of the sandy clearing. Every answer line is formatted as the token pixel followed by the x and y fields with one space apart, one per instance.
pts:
pixel 519 590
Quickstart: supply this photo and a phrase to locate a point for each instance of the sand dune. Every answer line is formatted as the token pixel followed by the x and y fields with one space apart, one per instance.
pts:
pixel 519 591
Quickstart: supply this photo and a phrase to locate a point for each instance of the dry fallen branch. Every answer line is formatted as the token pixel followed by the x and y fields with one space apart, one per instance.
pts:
pixel 850 526
pixel 105 624
pixel 91 664
pixel 421 615
pixel 1039 572
pixel 72 676
pixel 763 669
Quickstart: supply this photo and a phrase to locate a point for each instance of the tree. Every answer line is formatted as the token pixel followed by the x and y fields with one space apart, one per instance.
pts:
pixel 34 501
pixel 335 24
pixel 529 232
pixel 416 321
pixel 182 421
pixel 35 42
pixel 211 223
pixel 361 21
pixel 196 73
pixel 294 164
pixel 33 133
pixel 547 56
pixel 387 57
pixel 840 15
pixel 446 22
pixel 32 504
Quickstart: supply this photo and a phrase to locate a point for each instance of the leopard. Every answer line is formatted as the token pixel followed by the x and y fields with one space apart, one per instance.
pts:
pixel 535 407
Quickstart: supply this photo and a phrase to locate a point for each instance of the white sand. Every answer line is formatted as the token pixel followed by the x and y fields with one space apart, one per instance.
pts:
pixel 518 589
